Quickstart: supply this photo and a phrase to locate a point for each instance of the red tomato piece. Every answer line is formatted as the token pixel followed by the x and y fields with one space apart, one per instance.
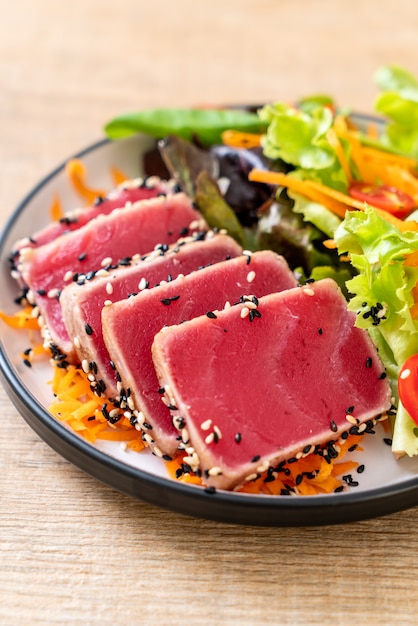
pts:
pixel 385 197
pixel 408 386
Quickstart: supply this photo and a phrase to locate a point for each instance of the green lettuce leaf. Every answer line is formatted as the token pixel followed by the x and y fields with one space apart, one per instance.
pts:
pixel 382 299
pixel 298 137
pixel 398 102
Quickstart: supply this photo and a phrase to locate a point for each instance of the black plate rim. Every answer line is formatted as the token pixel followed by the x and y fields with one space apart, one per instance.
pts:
pixel 226 507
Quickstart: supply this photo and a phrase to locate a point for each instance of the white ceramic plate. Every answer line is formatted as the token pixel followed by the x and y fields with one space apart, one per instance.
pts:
pixel 385 486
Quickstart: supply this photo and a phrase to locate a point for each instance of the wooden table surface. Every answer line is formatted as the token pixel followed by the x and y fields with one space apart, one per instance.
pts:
pixel 73 551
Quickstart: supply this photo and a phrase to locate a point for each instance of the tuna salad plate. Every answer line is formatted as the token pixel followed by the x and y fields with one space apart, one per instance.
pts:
pixel 216 310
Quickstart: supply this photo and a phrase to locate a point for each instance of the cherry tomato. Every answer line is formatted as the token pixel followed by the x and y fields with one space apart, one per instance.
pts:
pixel 390 199
pixel 408 386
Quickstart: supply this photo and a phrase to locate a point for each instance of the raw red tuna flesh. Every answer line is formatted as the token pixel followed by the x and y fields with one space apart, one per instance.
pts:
pixel 82 304
pixel 129 326
pixel 254 391
pixel 105 240
pixel 128 192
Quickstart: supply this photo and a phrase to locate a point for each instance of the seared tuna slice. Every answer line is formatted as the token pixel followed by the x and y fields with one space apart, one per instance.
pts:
pixel 100 243
pixel 82 304
pixel 129 327
pixel 128 192
pixel 254 390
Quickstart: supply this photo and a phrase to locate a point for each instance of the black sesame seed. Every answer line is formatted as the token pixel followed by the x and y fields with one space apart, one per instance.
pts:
pixel 211 315
pixel 333 426
pixel 349 410
pixel 82 256
pixel 339 489
pixel 320 331
pixel 369 361
pixel 27 363
pixel 360 469
pixel 387 441
pixel 382 376
pixel 168 301
pixel 238 437
pixel 255 458
pixel 88 329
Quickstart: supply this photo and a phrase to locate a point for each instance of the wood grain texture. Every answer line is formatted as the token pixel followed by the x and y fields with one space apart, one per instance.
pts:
pixel 73 551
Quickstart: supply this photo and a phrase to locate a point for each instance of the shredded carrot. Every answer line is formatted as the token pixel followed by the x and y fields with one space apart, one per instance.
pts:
pixel 309 475
pixel 21 319
pixel 239 139
pixel 335 201
pixel 372 131
pixel 55 209
pixel 118 176
pixel 78 406
pixel 339 151
pixel 316 193
pixel 76 172
pixel 330 244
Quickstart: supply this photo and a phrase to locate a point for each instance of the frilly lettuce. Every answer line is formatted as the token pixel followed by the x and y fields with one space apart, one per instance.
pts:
pixel 382 298
pixel 399 103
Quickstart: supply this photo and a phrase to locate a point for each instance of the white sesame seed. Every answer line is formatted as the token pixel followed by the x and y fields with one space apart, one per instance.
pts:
pixel 157 451
pixel 206 425
pixel 106 261
pixel 148 438
pixel 263 467
pixel 102 272
pixel 251 477
pixel 250 276
pixel 351 419
pixel 227 305
pixel 217 432
pixel 210 438
pixel 91 377
pixel 142 284
pixel 124 446
pixel 130 402
pixel 76 342
pixel 308 291
pixel 244 312
pixel 247 253
pixel 68 275
pixel 185 435
pixel 85 366
pixel 109 288
pixel 107 302
pixel 215 471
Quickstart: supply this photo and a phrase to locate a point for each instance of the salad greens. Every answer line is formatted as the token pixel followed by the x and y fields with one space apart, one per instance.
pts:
pixel 379 280
pixel 299 137
pixel 382 298
pixel 205 125
pixel 398 102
